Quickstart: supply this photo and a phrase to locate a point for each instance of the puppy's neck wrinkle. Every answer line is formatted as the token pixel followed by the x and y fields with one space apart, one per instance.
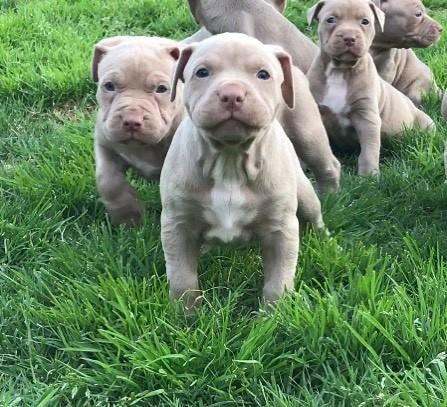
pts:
pixel 232 163
pixel 379 46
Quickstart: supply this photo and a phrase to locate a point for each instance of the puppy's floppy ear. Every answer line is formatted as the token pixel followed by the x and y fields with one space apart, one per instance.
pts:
pixel 183 59
pixel 312 13
pixel 287 88
pixel 101 48
pixel 174 52
pixel 280 5
pixel 379 14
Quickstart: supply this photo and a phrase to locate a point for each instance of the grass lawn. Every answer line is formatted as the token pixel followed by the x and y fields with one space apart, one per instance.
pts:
pixel 84 314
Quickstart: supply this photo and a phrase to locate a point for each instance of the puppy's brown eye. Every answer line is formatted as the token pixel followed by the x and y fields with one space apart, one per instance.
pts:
pixel 419 15
pixel 263 75
pixel 365 21
pixel 109 86
pixel 203 73
pixel 161 89
pixel 331 20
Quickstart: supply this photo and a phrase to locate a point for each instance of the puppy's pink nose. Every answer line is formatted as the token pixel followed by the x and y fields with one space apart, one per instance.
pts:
pixel 132 123
pixel 232 96
pixel 349 40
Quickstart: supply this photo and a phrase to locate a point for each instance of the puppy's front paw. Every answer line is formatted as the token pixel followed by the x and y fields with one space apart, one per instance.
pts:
pixel 130 214
pixel 189 299
pixel 330 181
pixel 369 172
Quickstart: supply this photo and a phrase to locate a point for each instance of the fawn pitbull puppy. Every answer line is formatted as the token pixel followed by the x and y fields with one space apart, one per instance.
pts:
pixel 231 174
pixel 136 118
pixel 407 25
pixel 303 124
pixel 358 106
pixel 258 19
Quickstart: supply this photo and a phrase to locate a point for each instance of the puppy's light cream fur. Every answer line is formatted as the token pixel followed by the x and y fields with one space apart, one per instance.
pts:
pixel 136 119
pixel 231 175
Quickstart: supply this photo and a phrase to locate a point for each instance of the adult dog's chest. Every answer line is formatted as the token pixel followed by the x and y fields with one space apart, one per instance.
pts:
pixel 230 206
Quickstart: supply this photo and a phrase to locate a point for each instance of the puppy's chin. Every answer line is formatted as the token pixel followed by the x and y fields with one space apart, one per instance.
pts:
pixel 407 42
pixel 148 138
pixel 347 59
pixel 232 133
pixel 231 122
pixel 421 42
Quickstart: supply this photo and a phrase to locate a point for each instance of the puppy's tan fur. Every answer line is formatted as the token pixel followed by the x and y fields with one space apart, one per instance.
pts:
pixel 407 25
pixel 358 106
pixel 136 119
pixel 232 174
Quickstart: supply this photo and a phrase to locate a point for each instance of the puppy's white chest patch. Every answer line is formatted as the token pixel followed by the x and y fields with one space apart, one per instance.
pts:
pixel 336 96
pixel 228 212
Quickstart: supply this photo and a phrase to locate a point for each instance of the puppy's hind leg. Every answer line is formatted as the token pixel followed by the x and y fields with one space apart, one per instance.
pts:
pixel 424 121
pixel 309 205
pixel 304 127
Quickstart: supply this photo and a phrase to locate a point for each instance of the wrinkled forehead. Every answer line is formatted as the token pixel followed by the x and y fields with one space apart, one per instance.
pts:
pixel 136 61
pixel 244 56
pixel 347 9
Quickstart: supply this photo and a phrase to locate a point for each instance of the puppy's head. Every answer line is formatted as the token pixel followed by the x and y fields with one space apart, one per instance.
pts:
pixel 133 75
pixel 346 28
pixel 407 25
pixel 234 86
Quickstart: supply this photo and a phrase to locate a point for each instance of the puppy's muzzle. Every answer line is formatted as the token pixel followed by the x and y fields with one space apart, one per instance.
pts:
pixel 349 39
pixel 132 122
pixel 434 33
pixel 347 46
pixel 232 97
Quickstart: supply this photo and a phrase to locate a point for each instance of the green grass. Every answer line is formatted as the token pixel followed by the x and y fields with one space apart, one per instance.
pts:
pixel 84 314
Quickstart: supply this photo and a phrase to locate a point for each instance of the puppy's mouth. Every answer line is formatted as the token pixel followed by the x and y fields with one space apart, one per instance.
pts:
pixel 132 138
pixel 348 59
pixel 232 133
pixel 232 120
pixel 232 143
